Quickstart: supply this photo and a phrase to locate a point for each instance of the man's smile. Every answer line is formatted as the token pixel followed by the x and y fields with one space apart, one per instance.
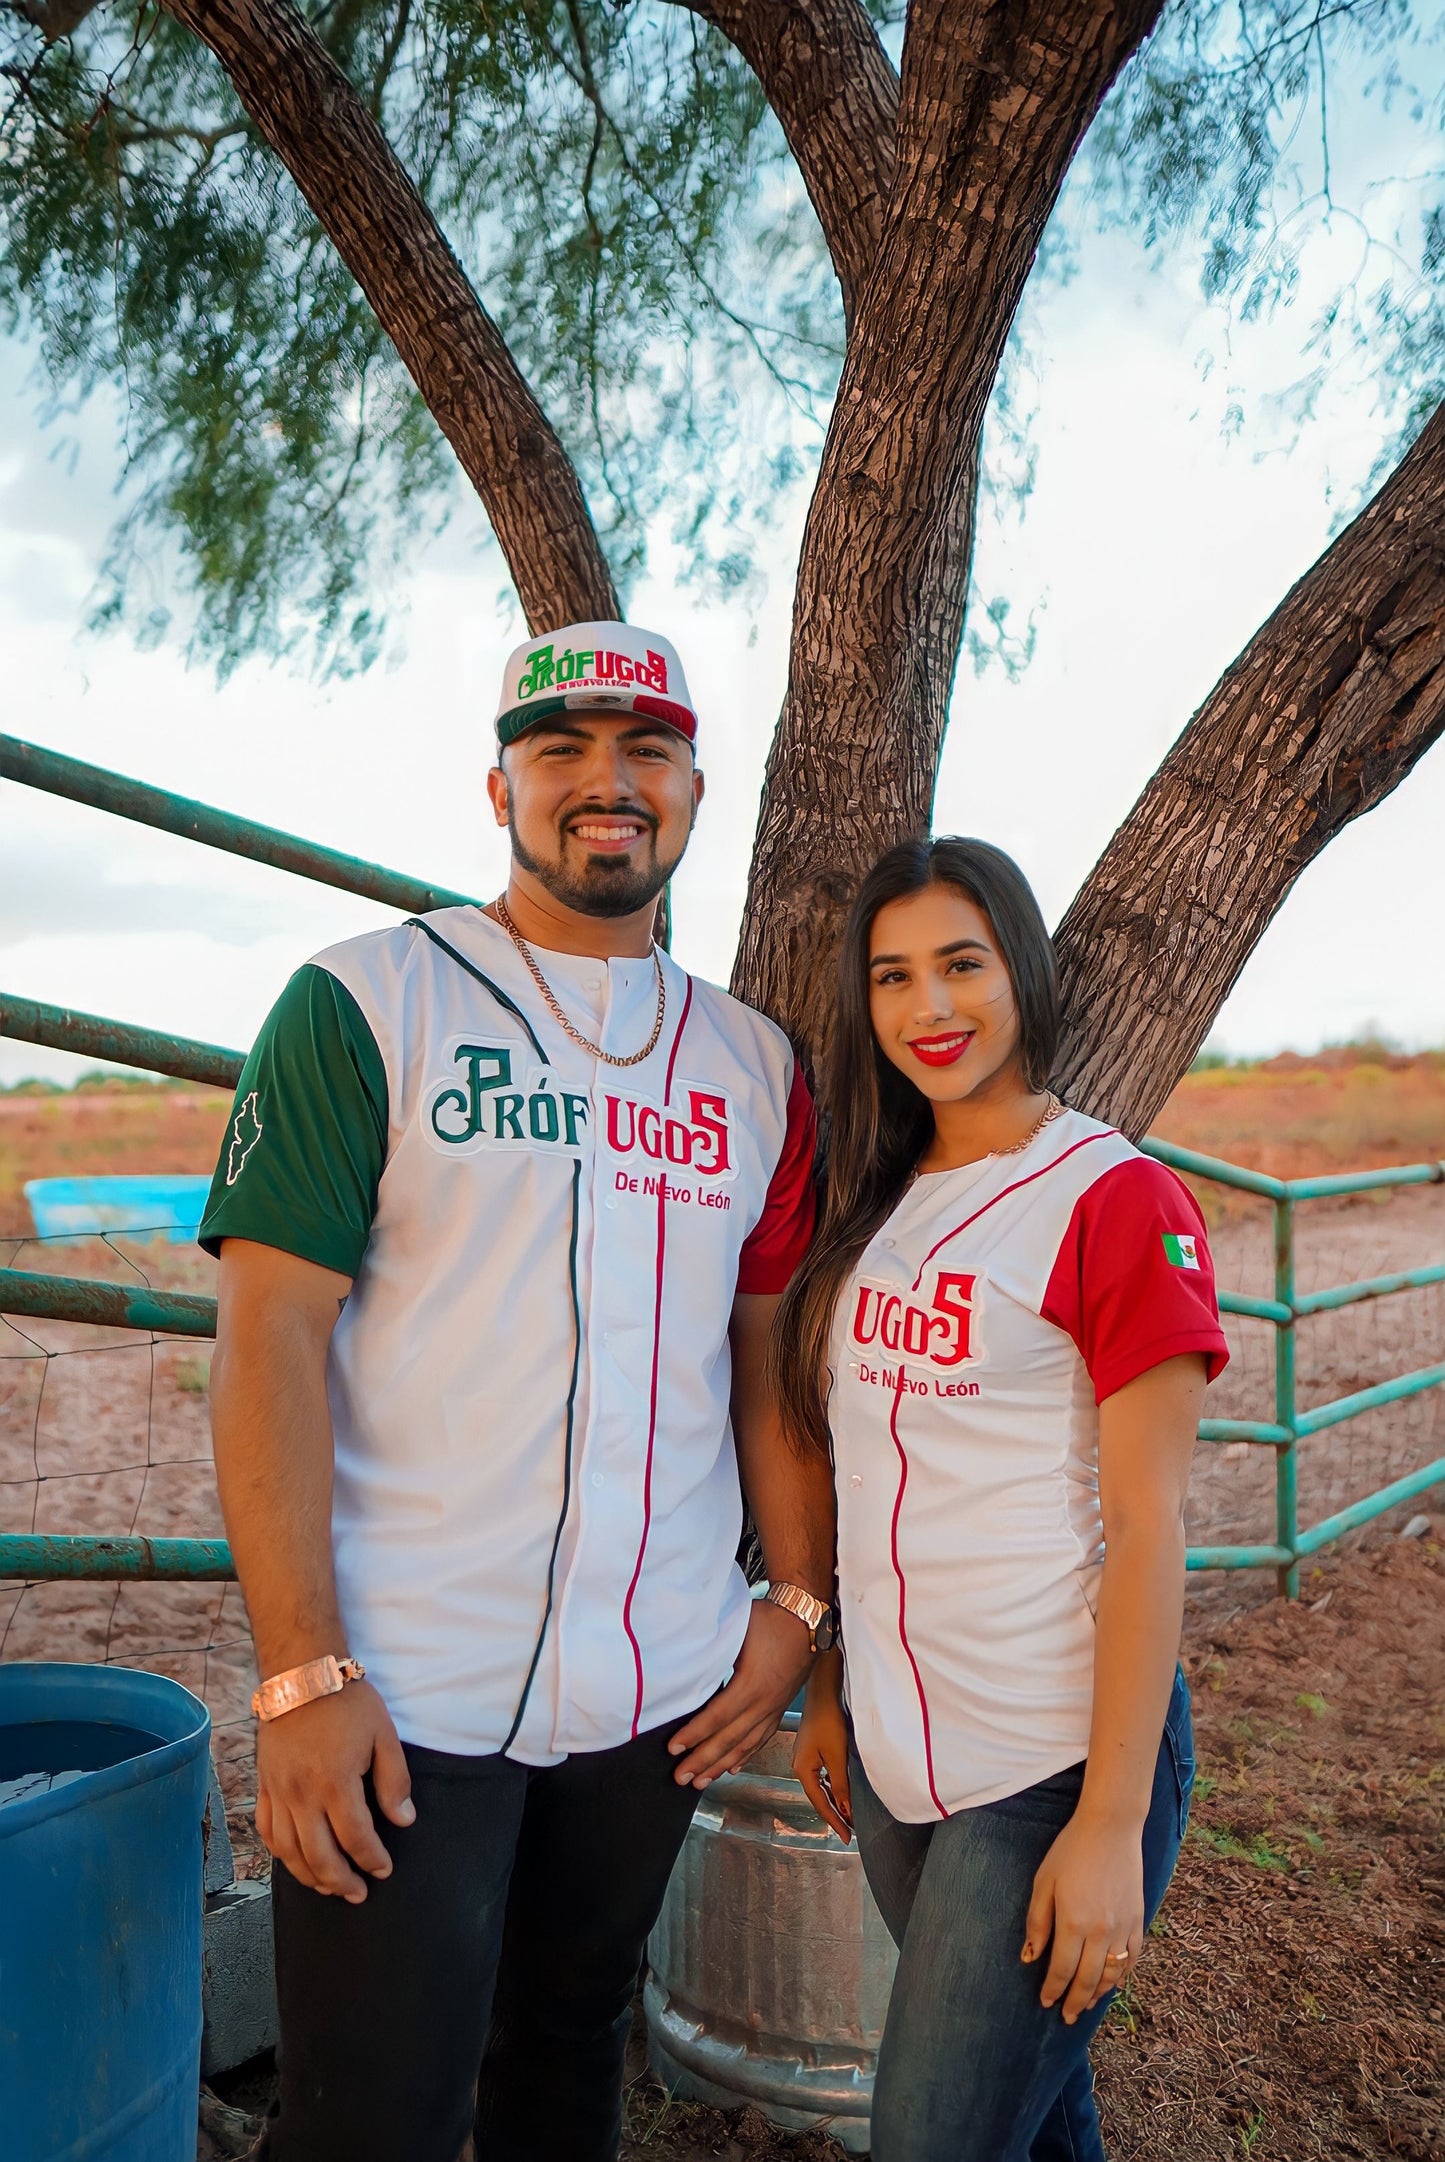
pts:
pixel 608 835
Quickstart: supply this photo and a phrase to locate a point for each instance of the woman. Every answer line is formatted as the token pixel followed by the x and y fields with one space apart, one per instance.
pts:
pixel 1004 1333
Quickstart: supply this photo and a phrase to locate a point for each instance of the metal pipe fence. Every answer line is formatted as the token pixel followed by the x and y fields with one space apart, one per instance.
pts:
pixel 42 1558
pixel 1290 1426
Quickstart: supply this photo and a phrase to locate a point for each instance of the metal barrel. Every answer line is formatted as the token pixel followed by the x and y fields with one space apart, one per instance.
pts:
pixel 770 1967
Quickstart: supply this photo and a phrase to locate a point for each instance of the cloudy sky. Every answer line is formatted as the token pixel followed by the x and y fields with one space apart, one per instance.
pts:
pixel 1159 535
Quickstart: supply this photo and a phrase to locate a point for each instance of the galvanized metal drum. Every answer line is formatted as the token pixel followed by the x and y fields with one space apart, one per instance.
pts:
pixel 770 1965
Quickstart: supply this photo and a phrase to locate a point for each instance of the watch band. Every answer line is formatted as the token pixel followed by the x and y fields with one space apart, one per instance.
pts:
pixel 287 1692
pixel 816 1615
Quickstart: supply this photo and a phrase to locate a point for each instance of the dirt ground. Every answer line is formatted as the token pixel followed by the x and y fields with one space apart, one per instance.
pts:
pixel 1291 2007
pixel 1291 2004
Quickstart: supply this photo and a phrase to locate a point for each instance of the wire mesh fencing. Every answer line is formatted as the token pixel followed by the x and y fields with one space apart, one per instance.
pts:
pixel 107 1431
pixel 1338 1352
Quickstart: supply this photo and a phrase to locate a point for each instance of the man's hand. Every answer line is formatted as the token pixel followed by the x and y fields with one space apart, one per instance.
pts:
pixel 310 1805
pixel 770 1670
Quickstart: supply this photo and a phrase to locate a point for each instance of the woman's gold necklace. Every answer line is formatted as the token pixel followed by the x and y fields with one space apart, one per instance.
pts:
pixel 1046 1117
pixel 504 918
pixel 1053 1107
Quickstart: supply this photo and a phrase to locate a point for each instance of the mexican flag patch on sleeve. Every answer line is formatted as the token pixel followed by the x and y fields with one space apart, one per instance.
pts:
pixel 1180 1252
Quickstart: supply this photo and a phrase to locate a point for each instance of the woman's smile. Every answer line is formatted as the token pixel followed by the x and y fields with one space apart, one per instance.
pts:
pixel 944 1050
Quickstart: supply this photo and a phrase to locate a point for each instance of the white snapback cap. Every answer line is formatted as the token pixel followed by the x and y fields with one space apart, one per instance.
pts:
pixel 594 667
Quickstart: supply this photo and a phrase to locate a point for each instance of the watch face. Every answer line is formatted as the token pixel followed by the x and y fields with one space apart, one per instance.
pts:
pixel 825 1636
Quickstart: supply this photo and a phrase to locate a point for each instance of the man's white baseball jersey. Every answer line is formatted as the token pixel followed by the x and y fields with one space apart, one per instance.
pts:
pixel 991 1315
pixel 536 1503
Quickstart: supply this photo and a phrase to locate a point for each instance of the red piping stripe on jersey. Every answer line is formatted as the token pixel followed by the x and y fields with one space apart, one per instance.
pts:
pixel 1003 1194
pixel 903 1592
pixel 677 1039
pixel 652 1398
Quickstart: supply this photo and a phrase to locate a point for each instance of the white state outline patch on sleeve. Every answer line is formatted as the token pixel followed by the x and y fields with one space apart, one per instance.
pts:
pixel 235 1165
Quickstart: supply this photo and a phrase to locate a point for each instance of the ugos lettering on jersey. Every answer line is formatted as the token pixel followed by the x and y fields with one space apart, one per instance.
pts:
pixel 696 1139
pixel 938 1324
pixel 499 1098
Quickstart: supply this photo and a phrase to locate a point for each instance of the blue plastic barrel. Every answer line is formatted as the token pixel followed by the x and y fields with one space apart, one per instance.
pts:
pixel 171 1202
pixel 106 1772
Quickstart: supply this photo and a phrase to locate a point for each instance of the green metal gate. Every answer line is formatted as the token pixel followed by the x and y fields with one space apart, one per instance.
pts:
pixel 41 1558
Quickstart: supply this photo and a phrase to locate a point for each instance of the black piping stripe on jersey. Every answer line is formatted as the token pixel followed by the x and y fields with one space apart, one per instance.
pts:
pixel 515 1010
pixel 566 1460
pixel 419 923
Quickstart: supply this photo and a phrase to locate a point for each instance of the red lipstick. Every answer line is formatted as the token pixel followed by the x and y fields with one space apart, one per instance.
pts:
pixel 942 1050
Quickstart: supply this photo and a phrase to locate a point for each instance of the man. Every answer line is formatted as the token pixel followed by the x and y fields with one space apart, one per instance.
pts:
pixel 503 1216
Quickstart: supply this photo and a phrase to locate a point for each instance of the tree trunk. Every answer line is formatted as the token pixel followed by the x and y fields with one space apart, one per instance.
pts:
pixel 317 124
pixel 1325 712
pixel 994 101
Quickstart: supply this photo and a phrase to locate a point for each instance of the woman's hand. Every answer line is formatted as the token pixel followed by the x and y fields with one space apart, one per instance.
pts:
pixel 1089 1897
pixel 820 1754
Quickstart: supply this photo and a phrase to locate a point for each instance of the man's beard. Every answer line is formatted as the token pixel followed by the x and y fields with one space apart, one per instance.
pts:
pixel 605 885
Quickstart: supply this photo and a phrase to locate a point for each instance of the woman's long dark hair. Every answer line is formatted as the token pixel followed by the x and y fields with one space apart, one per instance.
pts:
pixel 876 1122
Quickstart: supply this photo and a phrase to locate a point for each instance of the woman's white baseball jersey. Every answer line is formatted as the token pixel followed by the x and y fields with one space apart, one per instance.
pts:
pixel 991 1315
pixel 536 1505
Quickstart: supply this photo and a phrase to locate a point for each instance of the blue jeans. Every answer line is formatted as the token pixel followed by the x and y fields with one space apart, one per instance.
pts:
pixel 972 2068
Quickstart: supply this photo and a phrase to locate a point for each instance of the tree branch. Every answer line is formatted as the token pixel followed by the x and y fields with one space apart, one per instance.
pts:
pixel 835 94
pixel 56 19
pixel 320 127
pixel 1323 714
pixel 995 98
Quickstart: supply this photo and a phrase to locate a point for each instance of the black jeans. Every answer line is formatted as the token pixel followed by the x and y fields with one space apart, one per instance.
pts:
pixel 490 1977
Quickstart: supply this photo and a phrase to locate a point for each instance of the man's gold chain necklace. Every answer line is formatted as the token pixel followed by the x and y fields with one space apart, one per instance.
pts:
pixel 504 918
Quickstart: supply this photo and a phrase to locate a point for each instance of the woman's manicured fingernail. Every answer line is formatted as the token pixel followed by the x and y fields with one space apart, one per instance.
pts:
pixel 1027 1953
pixel 407 1812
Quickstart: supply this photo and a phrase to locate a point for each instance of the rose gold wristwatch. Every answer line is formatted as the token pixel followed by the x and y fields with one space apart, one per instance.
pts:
pixel 301 1685
pixel 817 1616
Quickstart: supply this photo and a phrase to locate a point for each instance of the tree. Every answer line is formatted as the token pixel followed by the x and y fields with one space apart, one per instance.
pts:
pixel 932 182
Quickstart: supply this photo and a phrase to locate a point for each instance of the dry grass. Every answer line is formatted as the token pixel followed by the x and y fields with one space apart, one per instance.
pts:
pixel 93 1128
pixel 1350 1109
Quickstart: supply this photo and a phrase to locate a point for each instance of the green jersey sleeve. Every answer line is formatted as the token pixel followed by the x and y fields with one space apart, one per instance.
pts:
pixel 304 1152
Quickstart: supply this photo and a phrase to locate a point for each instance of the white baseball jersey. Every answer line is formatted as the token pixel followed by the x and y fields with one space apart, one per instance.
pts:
pixel 536 1504
pixel 984 1324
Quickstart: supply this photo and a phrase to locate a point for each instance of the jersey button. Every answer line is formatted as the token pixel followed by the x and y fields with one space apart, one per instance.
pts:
pixel 890 1242
pixel 856 1480
pixel 598 1479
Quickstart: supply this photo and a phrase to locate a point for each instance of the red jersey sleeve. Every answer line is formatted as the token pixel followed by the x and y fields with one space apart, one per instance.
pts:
pixel 779 1239
pixel 1133 1282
